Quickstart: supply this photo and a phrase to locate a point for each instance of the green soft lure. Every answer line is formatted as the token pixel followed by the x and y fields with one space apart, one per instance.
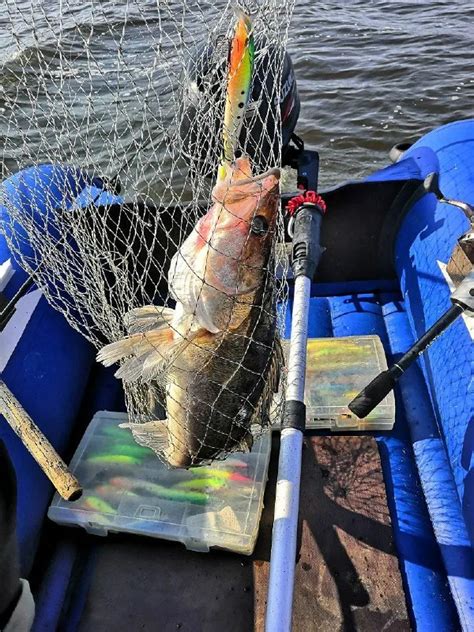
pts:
pixel 98 504
pixel 202 484
pixel 114 459
pixel 179 495
pixel 132 450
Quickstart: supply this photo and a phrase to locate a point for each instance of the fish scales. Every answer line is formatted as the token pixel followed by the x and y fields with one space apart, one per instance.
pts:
pixel 211 410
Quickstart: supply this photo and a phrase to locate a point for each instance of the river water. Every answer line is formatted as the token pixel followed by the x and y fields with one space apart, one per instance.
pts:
pixel 370 74
pixel 374 73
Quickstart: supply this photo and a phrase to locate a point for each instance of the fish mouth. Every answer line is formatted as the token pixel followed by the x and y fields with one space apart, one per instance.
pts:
pixel 274 171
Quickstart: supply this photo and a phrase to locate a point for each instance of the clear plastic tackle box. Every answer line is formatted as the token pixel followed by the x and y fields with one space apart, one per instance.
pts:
pixel 128 489
pixel 337 369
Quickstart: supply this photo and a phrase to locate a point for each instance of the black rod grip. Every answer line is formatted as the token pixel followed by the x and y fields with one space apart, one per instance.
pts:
pixel 370 396
pixel 430 336
pixel 307 250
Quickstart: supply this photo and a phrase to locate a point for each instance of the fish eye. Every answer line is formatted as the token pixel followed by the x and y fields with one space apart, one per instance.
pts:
pixel 259 226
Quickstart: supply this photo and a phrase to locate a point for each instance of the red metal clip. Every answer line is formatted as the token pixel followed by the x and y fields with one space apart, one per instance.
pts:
pixel 309 197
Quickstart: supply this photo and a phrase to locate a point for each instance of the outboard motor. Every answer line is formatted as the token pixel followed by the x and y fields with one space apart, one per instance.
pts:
pixel 202 115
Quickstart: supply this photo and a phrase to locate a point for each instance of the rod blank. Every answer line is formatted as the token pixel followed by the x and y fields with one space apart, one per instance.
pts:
pixel 371 396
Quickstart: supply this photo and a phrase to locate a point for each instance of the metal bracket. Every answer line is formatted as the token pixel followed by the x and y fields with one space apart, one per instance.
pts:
pixel 463 295
pixel 306 163
pixel 431 185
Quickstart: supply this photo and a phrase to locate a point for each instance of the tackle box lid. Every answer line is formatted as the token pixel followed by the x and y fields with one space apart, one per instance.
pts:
pixel 128 489
pixel 337 369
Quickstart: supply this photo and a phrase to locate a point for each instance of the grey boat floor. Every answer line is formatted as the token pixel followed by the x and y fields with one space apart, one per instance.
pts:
pixel 347 574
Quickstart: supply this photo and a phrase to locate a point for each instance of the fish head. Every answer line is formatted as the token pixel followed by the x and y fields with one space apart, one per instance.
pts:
pixel 226 254
pixel 259 235
pixel 244 225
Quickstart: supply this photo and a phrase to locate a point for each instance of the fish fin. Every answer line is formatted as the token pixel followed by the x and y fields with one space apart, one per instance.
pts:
pixel 132 368
pixel 156 348
pixel 148 317
pixel 115 351
pixel 152 366
pixel 246 444
pixel 152 434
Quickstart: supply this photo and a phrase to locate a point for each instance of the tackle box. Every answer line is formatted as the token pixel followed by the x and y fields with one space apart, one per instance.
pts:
pixel 337 369
pixel 128 489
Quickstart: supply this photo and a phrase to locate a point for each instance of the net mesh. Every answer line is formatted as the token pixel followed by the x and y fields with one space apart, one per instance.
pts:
pixel 135 92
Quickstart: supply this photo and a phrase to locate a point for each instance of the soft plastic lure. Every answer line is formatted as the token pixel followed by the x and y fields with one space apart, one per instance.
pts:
pixel 179 495
pixel 239 82
pixel 115 432
pixel 114 459
pixel 97 504
pixel 202 484
pixel 216 473
pixel 131 450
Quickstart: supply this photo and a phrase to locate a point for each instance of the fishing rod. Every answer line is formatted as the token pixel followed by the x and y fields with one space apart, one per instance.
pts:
pixel 370 396
pixel 306 212
pixel 462 303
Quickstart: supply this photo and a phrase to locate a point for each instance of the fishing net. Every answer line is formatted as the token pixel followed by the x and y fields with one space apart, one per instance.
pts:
pixel 131 94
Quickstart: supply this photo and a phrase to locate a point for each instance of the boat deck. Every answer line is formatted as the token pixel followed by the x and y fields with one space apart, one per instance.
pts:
pixel 365 539
pixel 347 574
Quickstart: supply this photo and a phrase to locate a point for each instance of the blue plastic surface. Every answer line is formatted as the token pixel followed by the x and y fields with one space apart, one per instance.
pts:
pixel 426 238
pixel 435 473
pixel 49 368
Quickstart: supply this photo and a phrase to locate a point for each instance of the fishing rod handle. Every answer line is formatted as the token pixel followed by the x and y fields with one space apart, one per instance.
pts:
pixel 306 248
pixel 38 445
pixel 371 396
pixel 380 387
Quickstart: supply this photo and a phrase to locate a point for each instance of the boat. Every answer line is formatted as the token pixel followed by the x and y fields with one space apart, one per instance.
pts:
pixel 386 518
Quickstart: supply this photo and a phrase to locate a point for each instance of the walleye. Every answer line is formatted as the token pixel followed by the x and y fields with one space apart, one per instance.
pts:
pixel 217 355
pixel 211 271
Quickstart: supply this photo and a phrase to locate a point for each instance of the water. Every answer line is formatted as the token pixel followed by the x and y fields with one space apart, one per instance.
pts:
pixel 374 73
pixel 369 75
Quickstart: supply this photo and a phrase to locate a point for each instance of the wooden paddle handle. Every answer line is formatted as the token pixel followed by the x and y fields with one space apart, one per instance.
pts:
pixel 37 444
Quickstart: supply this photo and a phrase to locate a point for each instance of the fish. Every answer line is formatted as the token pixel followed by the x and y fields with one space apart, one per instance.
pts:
pixel 239 82
pixel 213 269
pixel 218 374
